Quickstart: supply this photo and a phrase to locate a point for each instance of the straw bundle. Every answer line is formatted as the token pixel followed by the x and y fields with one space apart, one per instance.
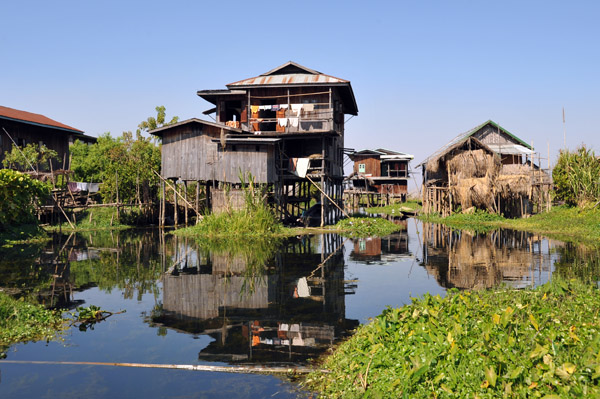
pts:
pixel 475 163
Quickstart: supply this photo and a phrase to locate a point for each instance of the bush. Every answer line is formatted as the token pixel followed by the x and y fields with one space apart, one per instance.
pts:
pixel 577 177
pixel 19 197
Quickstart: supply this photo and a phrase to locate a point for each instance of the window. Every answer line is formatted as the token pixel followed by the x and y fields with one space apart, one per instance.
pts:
pixel 361 168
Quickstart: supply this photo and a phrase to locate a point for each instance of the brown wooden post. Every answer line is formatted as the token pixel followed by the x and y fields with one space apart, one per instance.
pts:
pixel 186 201
pixel 175 204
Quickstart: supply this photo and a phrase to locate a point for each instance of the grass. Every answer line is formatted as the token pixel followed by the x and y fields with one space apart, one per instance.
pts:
pixel 410 205
pixel 486 344
pixel 366 227
pixel 569 224
pixel 250 223
pixel 102 218
pixel 21 321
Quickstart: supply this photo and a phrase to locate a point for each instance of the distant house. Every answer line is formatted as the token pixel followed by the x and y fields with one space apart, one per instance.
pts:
pixel 22 128
pixel 487 168
pixel 381 171
pixel 285 127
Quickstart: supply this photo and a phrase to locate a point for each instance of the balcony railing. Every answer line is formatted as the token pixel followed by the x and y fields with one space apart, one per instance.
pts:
pixel 292 118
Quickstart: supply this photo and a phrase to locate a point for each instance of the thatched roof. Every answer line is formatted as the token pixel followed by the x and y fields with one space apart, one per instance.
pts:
pixel 468 144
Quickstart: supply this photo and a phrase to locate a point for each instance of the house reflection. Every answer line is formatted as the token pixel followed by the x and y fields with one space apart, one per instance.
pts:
pixel 287 307
pixel 465 260
pixel 382 250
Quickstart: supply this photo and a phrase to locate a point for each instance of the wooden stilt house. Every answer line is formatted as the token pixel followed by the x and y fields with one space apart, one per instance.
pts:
pixel 380 171
pixel 486 168
pixel 285 128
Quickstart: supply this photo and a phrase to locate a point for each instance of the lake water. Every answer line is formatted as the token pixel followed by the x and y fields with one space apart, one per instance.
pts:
pixel 188 304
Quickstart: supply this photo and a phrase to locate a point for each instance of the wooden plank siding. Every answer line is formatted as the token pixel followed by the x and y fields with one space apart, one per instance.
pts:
pixel 189 153
pixel 372 164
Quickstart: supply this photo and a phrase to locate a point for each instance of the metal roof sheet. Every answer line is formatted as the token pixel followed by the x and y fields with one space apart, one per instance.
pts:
pixel 36 119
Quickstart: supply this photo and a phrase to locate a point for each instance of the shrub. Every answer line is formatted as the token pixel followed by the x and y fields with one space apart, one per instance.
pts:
pixel 19 197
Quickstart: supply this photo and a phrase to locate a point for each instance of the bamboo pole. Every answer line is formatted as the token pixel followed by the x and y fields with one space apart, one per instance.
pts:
pixel 191 367
pixel 322 192
pixel 175 191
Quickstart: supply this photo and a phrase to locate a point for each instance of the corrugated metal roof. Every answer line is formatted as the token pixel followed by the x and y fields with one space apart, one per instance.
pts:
pixel 36 119
pixel 288 79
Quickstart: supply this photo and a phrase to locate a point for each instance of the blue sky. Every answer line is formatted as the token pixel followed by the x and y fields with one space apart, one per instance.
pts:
pixel 422 71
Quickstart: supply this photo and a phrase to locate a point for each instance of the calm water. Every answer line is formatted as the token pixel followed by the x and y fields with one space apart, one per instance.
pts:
pixel 187 304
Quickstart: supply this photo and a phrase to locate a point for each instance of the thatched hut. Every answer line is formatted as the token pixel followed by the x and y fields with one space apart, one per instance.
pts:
pixel 483 168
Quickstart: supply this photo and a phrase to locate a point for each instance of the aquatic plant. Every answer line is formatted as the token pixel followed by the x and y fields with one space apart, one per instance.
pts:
pixel 485 344
pixel 366 226
pixel 22 321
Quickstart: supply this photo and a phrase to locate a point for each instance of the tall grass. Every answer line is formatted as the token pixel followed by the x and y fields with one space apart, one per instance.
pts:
pixel 577 177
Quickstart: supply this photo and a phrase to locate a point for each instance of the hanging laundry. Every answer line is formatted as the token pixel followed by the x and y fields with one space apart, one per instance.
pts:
pixel 301 169
pixel 82 186
pixel 282 121
pixel 284 106
pixel 303 288
pixel 275 107
pixel 293 122
pixel 297 108
pixel 254 108
pixel 295 328
pixel 73 187
pixel 308 107
pixel 264 107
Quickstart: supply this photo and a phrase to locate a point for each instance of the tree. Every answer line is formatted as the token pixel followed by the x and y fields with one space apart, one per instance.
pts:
pixel 154 123
pixel 32 155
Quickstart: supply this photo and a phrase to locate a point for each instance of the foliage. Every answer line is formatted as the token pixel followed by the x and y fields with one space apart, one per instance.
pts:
pixel 366 227
pixel 19 197
pixel 28 157
pixel 130 161
pixel 256 220
pixel 154 123
pixel 87 317
pixel 21 321
pixel 102 218
pixel 488 344
pixel 478 221
pixel 577 177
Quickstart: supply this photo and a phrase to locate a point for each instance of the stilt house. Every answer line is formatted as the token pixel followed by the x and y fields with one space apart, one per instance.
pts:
pixel 487 168
pixel 21 128
pixel 381 171
pixel 284 127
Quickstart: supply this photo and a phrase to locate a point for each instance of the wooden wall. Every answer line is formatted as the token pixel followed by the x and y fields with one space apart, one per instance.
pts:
pixel 55 139
pixel 490 135
pixel 372 164
pixel 188 153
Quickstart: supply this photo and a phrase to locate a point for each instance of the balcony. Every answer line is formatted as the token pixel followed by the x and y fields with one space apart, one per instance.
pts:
pixel 292 118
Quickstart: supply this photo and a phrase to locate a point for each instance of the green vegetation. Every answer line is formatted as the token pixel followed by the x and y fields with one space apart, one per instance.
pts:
pixel 124 163
pixel 19 197
pixel 366 226
pixel 563 223
pixel 487 344
pixel 576 177
pixel 31 156
pixel 102 218
pixel 397 209
pixel 21 321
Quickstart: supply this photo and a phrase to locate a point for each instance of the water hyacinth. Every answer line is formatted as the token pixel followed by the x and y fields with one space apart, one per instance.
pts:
pixel 486 344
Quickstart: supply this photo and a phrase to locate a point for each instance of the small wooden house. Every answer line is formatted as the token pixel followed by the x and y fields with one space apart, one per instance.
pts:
pixel 21 128
pixel 285 128
pixel 487 168
pixel 381 171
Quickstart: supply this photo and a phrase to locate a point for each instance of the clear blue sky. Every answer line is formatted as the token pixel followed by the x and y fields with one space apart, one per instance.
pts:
pixel 422 71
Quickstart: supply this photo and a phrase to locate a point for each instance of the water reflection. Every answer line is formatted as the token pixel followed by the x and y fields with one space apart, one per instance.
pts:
pixel 466 260
pixel 383 250
pixel 289 308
